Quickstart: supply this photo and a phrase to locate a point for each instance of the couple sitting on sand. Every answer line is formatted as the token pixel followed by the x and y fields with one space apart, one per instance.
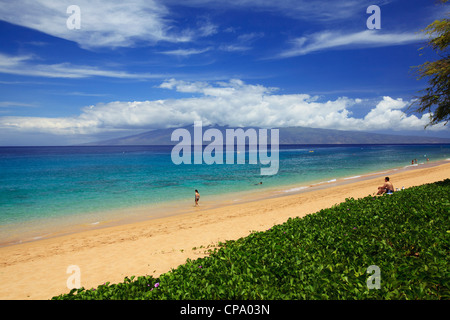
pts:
pixel 387 187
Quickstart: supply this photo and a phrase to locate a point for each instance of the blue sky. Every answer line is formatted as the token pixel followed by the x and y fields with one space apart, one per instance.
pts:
pixel 138 65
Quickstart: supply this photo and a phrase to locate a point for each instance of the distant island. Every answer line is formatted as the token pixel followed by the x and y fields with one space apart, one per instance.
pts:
pixel 288 135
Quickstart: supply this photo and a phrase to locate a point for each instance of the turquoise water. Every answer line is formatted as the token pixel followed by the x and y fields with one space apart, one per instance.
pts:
pixel 38 183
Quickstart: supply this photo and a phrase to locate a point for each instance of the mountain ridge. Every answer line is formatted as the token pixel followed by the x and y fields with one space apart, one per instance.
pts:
pixel 287 135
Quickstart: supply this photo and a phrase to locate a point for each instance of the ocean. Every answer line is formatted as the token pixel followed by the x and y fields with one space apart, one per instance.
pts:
pixel 66 186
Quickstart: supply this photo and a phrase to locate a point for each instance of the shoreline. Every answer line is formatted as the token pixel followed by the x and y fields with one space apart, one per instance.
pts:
pixel 115 217
pixel 38 269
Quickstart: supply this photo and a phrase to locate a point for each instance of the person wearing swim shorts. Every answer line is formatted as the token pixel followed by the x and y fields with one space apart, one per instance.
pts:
pixel 387 187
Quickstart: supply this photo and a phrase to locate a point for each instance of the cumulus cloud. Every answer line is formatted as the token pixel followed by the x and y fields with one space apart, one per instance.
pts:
pixel 232 103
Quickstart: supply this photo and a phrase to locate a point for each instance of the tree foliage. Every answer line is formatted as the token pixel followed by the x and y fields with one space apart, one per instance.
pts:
pixel 435 98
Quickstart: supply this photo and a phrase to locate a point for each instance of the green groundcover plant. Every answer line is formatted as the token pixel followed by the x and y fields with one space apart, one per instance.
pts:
pixel 325 255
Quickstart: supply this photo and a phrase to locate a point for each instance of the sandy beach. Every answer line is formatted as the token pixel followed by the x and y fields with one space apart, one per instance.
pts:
pixel 38 269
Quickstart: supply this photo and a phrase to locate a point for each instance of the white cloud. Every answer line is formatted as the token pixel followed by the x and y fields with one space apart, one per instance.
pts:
pixel 27 66
pixel 336 40
pixel 388 115
pixel 112 23
pixel 7 104
pixel 232 103
pixel 185 52
pixel 297 9
pixel 235 48
pixel 242 43
pixel 115 23
pixel 205 28
pixel 249 37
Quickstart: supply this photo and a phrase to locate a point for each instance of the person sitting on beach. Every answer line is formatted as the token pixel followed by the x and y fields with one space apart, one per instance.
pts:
pixel 197 197
pixel 386 188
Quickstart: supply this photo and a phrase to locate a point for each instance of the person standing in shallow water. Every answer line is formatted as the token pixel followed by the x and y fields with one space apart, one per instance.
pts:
pixel 197 197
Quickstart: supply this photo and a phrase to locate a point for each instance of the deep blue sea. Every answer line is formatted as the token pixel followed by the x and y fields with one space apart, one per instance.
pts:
pixel 40 184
